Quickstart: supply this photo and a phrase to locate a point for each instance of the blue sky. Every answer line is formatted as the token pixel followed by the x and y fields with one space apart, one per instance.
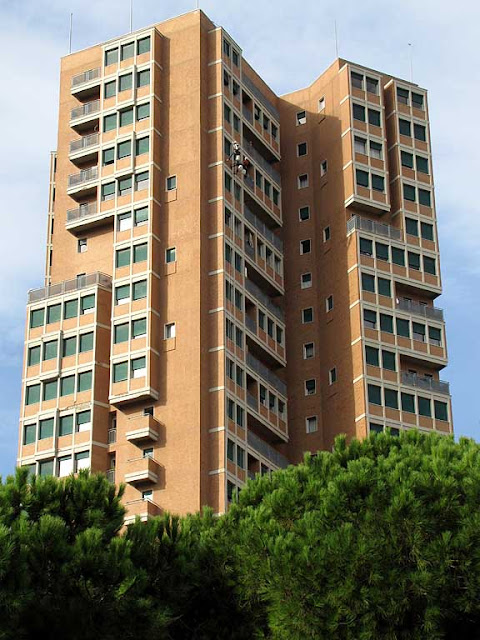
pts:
pixel 289 44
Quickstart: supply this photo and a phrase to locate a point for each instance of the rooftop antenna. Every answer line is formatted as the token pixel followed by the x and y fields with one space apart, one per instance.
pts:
pixel 70 34
pixel 336 40
pixel 131 16
pixel 411 61
pixel 197 4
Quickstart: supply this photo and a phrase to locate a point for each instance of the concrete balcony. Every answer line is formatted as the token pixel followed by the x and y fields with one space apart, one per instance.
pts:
pixel 142 428
pixel 267 235
pixel 266 375
pixel 142 471
pixel 87 216
pixel 81 183
pixel 84 149
pixel 84 116
pixel 68 286
pixel 426 384
pixel 260 97
pixel 141 508
pixel 86 82
pixel 432 313
pixel 259 296
pixel 371 226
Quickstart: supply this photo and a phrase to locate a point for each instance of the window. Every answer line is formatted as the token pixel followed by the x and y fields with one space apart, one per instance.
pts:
pixel 308 350
pixel 141 216
pixel 376 150
pixel 372 85
pixel 374 117
pixel 110 89
pixel 405 127
pixel 398 256
pixel 323 168
pixel 139 367
pixel 332 376
pixel 371 356
pixel 66 425
pixel 305 247
pixel 378 183
pixel 306 280
pixel 143 111
pixel 418 331
pixel 303 181
pixel 357 80
pixel 84 381
pixel 435 336
pixel 124 149
pixel 127 51
pixel 310 387
pixel 45 429
pixel 376 428
pixel 111 56
pixel 366 247
pixel 429 265
pixel 358 112
pixel 50 390
pixel 424 406
pixel 409 192
pixel 37 318
pixel 108 191
pixel 411 227
pixel 360 145
pixel 368 283
pixel 124 221
pixel 240 457
pixel 170 255
pixel 301 117
pixel 122 294
pixel 143 78
pixel 326 234
pixel 226 48
pixel 403 95
pixel 46 468
pixel 87 304
pixel 407 159
pixel 50 350
pixel 86 342
pixel 120 333
pixel 235 57
pixel 374 394
pixel 420 132
pixel 53 313
pixel 140 252
pixel 126 117
pixel 139 290
pixel 311 424
pixel 108 156
pixel 170 331
pixel 382 251
pixel 391 398
pixel 122 257
pixel 120 371
pixel 441 411
pixel 33 356
pixel 414 261
pixel 82 460
pixel 302 149
pixel 329 303
pixel 321 105
pixel 370 319
pixel 230 450
pixel 110 122
pixel 65 466
pixel 304 213
pixel 408 402
pixel 143 45
pixel 171 183
pixel 124 186
pixel 67 385
pixel 29 433
pixel 142 146
pixel 403 328
pixel 32 394
pixel 417 101
pixel 424 197
pixel 427 231
pixel 386 323
pixel 388 360
pixel 307 315
pixel 422 164
pixel 125 82
pixel 362 178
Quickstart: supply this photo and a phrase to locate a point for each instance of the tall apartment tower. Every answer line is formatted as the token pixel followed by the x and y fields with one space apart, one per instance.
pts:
pixel 232 277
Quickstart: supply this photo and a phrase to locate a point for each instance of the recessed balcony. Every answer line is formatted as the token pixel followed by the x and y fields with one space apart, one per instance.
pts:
pixel 143 428
pixel 84 149
pixel 143 470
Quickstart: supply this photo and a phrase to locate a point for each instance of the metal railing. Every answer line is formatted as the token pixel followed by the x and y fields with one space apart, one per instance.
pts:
pixel 264 164
pixel 249 84
pixel 265 373
pixel 112 436
pixel 67 286
pixel 434 313
pixel 262 228
pixel 364 224
pixel 83 211
pixel 261 297
pixel 87 109
pixel 84 143
pixel 86 76
pixel 247 114
pixel 111 475
pixel 267 451
pixel 251 324
pixel 427 384
pixel 83 176
pixel 252 401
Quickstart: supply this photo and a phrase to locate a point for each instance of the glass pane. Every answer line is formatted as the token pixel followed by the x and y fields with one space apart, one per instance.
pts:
pixel 46 429
pixel 398 256
pixel 424 406
pixel 404 127
pixel 140 252
pixel 139 327
pixel 407 159
pixel 371 356
pixel 84 417
pixel 87 302
pixel 33 356
pixel 374 117
pixel 408 402
pixel 50 350
pixel 143 78
pixel 362 178
pixel 50 390
pixel 66 425
pixel 125 82
pixel 386 323
pixel 70 309
pixel 143 45
pixel 37 318
pixel 143 111
pixel 403 328
pixel 108 156
pixel 127 51
pixel 427 231
pixel 110 89
pixel 142 146
pixel 382 251
pixel 111 56
pixel 85 381
pixel 138 363
pixel 121 333
pixel 126 117
pixel 374 394
pixel 46 468
pixel 122 258
pixel 391 398
pixel 120 371
pixel 411 226
pixel 69 346
pixel 86 342
pixel 441 411
pixel 424 197
pixel 53 313
pixel 29 433
pixel 67 385
pixel 388 360
pixel 110 122
pixel 140 290
pixel 124 149
pixel 122 293
pixel 368 283
pixel 32 394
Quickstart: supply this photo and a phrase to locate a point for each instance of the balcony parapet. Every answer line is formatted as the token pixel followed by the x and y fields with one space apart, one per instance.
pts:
pixel 267 375
pixel 433 313
pixel 426 384
pixel 86 76
pixel 370 226
pixel 68 286
pixel 266 450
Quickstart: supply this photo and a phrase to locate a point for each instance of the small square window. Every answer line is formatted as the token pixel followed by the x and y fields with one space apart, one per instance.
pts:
pixel 306 280
pixel 302 181
pixel 311 424
pixel 171 183
pixel 321 105
pixel 307 315
pixel 301 117
pixel 326 234
pixel 305 246
pixel 170 331
pixel 170 255
pixel 329 303
pixel 332 376
pixel 304 213
pixel 310 387
pixel 82 245
pixel 323 168
pixel 302 149
pixel 308 350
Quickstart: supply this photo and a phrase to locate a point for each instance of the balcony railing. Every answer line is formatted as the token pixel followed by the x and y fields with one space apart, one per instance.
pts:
pixel 265 373
pixel 248 115
pixel 84 176
pixel 83 211
pixel 411 306
pixel 364 224
pixel 261 297
pixel 252 401
pixel 86 76
pixel 251 324
pixel 426 384
pixel 88 109
pixel 84 143
pixel 264 164
pixel 260 96
pixel 263 229
pixel 267 451
pixel 67 286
